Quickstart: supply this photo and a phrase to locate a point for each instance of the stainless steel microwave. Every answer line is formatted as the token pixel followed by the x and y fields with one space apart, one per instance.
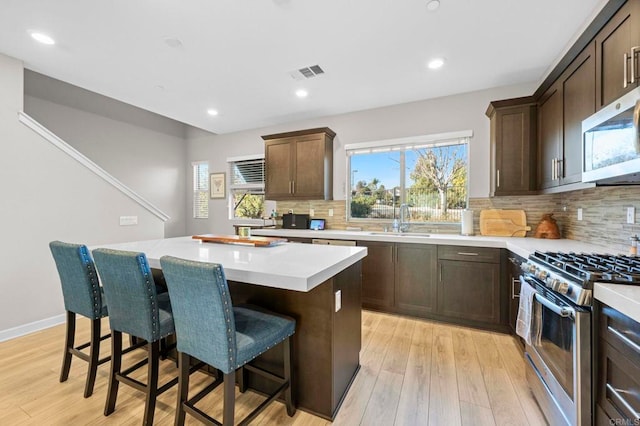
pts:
pixel 611 143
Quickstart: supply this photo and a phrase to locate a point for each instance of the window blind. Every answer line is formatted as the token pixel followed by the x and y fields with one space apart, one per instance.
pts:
pixel 200 190
pixel 247 176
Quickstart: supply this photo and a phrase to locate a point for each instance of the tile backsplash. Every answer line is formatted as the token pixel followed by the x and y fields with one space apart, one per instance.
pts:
pixel 604 211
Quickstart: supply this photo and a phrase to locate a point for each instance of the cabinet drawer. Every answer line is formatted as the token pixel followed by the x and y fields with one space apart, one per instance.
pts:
pixel 621 332
pixel 469 254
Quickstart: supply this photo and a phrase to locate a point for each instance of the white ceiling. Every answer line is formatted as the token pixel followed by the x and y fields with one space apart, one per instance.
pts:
pixel 236 55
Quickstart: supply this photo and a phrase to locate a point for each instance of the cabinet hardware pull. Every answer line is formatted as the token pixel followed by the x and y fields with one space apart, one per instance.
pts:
pixel 290 192
pixel 621 400
pixel 293 187
pixel 624 338
pixel 513 288
pixel 554 169
pixel 633 63
pixel 467 253
pixel 559 165
pixel 563 311
pixel 440 274
pixel 498 178
pixel 624 71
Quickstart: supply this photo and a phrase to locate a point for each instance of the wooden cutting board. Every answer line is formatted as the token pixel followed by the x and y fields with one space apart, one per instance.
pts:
pixel 503 223
pixel 236 239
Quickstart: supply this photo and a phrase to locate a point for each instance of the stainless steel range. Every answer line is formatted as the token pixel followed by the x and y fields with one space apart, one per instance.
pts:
pixel 559 357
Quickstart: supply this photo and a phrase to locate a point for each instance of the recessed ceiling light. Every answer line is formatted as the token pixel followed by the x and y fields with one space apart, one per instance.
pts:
pixel 435 63
pixel 301 93
pixel 212 112
pixel 433 5
pixel 173 42
pixel 42 38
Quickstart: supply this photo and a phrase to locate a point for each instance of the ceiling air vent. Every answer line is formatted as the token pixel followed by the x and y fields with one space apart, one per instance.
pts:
pixel 306 72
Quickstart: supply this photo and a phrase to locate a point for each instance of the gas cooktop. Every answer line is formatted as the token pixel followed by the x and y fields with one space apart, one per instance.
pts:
pixel 590 268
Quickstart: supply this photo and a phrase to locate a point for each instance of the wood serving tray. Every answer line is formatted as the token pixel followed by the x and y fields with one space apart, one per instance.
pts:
pixel 236 239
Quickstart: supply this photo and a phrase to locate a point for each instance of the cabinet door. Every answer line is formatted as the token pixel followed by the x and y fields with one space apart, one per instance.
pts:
pixel 550 136
pixel 309 167
pixel 514 139
pixel 378 275
pixel 618 385
pixel 278 163
pixel 416 280
pixel 620 34
pixel 469 291
pixel 578 89
pixel 514 290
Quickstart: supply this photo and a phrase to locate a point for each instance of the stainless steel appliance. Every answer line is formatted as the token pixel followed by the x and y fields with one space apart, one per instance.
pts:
pixel 611 143
pixel 559 361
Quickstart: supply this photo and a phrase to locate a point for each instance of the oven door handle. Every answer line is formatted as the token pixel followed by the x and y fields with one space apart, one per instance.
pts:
pixel 563 311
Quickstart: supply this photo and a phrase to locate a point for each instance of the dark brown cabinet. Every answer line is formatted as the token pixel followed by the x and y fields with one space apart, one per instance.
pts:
pixel 416 279
pixel 378 275
pixel 561 110
pixel 617 47
pixel 618 368
pixel 469 283
pixel 299 165
pixel 513 146
pixel 513 285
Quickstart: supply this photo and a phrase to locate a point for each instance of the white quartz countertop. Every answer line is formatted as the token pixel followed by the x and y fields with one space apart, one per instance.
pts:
pixel 288 266
pixel 624 298
pixel 520 246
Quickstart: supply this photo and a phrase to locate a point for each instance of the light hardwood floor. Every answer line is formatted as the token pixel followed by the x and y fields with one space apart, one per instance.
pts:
pixel 414 372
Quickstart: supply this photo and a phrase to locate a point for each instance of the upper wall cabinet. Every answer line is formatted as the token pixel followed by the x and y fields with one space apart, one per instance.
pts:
pixel 617 54
pixel 513 146
pixel 561 110
pixel 299 165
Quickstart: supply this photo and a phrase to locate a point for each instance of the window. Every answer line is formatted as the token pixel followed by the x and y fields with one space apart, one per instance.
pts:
pixel 200 190
pixel 246 188
pixel 427 173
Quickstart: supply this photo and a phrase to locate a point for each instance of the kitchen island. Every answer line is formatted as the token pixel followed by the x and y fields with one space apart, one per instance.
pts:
pixel 317 285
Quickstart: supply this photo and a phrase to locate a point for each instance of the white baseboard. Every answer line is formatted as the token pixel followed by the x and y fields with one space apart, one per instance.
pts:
pixel 25 329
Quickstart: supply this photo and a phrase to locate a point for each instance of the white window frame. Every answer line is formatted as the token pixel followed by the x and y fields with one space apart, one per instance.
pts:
pixel 400 144
pixel 233 187
pixel 203 188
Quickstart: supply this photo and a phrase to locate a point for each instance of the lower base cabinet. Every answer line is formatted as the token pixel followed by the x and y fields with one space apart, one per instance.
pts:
pixel 449 283
pixel 378 275
pixel 618 368
pixel 416 280
pixel 469 291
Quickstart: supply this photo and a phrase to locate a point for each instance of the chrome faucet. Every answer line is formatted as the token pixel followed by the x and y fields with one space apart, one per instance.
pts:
pixel 405 216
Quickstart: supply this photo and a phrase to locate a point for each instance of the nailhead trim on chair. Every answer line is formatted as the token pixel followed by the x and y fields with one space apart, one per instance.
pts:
pixel 83 251
pixel 144 266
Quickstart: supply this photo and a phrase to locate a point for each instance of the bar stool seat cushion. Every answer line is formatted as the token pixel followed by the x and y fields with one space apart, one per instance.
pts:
pixel 257 332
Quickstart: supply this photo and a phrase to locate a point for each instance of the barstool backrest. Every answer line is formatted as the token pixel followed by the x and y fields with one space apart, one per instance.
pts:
pixel 130 292
pixel 80 284
pixel 202 311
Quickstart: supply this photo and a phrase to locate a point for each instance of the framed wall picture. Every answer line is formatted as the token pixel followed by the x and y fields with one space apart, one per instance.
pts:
pixel 217 185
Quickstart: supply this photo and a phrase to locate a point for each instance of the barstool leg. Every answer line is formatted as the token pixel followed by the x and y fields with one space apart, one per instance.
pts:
pixel 94 352
pixel 288 393
pixel 69 341
pixel 116 363
pixel 152 382
pixel 183 387
pixel 229 398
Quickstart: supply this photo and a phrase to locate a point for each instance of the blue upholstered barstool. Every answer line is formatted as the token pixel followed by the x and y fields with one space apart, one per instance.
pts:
pixel 210 329
pixel 136 308
pixel 82 295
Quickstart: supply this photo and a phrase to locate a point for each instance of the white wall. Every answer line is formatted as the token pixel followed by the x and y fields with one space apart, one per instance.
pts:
pixel 46 195
pixel 459 112
pixel 143 150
